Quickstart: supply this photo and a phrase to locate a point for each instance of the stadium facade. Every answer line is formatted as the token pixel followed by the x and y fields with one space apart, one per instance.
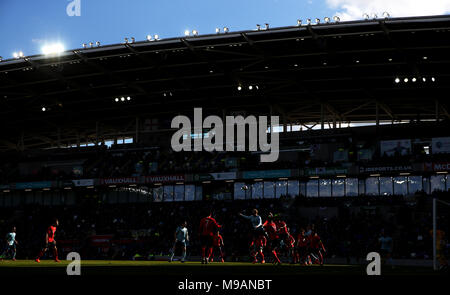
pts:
pixel 361 107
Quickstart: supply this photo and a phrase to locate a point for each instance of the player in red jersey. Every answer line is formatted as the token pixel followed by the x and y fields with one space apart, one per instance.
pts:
pixel 317 247
pixel 257 247
pixel 302 247
pixel 217 245
pixel 282 228
pixel 50 241
pixel 274 240
pixel 208 228
pixel 290 247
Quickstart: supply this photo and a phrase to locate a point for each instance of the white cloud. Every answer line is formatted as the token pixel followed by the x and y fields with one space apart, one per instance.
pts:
pixel 354 9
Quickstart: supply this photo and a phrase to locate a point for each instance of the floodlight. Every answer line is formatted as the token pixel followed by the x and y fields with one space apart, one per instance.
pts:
pixel 128 98
pixel 217 30
pixel 375 16
pixel 156 37
pixel 187 33
pixel 386 14
pixel 424 79
pixel 258 27
pixel 433 79
pixel 97 43
pixel 43 109
pixel 327 19
pixel 336 18
pixel 56 48
pixel 267 26
pixel 308 21
pixel 414 79
pixel 299 22
pixel 84 45
pixel 126 40
pixel 122 98
pixel 239 88
pixel 397 80
pixel 226 30
pixel 406 80
pixel 116 99
pixel 149 37
pixel 317 21
pixel 250 87
pixel 133 40
pixel 195 32
pixel 91 44
pixel 366 16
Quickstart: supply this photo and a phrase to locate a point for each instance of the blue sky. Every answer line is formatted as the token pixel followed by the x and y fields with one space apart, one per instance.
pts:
pixel 26 25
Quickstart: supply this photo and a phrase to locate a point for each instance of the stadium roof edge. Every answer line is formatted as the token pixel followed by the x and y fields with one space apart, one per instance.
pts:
pixel 321 26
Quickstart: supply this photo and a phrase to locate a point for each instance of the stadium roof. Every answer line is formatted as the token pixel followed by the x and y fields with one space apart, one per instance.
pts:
pixel 329 72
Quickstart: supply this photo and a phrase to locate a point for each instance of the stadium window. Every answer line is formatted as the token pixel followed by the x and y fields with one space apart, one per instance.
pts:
pixel 386 186
pixel 414 184
pixel 400 185
pixel 426 185
pixel 269 190
pixel 280 189
pixel 109 143
pixel 372 186
pixel 338 187
pixel 302 188
pixel 158 194
pixel 199 193
pixel 361 186
pixel 437 182
pixel 189 192
pixel 179 192
pixel 257 190
pixel 239 193
pixel 128 140
pixel 325 188
pixel 293 188
pixel 168 193
pixel 312 188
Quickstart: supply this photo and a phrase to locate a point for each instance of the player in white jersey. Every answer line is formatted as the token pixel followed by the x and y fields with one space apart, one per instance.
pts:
pixel 181 240
pixel 10 245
